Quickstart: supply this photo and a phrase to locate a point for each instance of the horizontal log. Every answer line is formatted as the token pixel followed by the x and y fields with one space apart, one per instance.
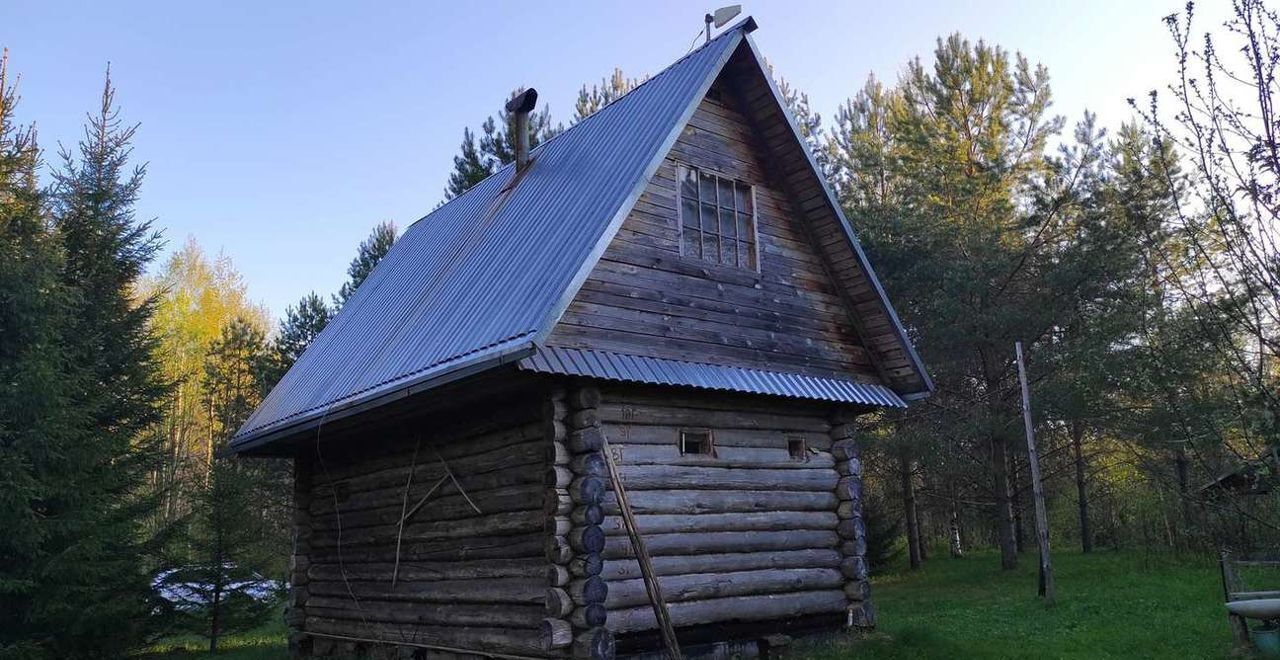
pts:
pixel 587 490
pixel 451 447
pixel 854 568
pixel 858 590
pixel 723 522
pixel 557 575
pixel 558 453
pixel 587 396
pixel 426 571
pixel 617 547
pixel 557 602
pixel 556 634
pixel 591 514
pixel 582 419
pixel 777 457
pixel 586 565
pixel 724 501
pixel 589 616
pixel 557 502
pixel 629 569
pixel 509 547
pixel 594 644
pixel 853 547
pixel 475 472
pixel 679 588
pixel 585 440
pixel 733 609
pixel 481 526
pixel 659 477
pixel 666 434
pixel 504 615
pixel 513 641
pixel 556 550
pixel 851 528
pixel 530 591
pixel 585 591
pixel 441 506
pixel 849 468
pixel 669 415
pixel 588 539
pixel 588 464
pixel 849 489
pixel 558 476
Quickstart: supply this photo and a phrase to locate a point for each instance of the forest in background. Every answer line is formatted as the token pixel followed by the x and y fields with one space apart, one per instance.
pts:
pixel 1139 265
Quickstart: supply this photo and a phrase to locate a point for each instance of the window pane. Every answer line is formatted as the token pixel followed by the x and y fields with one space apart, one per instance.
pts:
pixel 688 184
pixel 692 242
pixel 744 198
pixel 709 218
pixel 707 187
pixel 689 212
pixel 726 193
pixel 711 247
pixel 726 223
pixel 728 252
pixel 746 254
pixel 745 231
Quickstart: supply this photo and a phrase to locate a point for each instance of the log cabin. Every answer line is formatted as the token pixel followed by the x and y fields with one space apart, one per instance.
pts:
pixel 600 404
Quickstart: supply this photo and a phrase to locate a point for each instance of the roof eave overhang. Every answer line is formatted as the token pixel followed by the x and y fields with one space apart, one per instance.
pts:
pixel 438 376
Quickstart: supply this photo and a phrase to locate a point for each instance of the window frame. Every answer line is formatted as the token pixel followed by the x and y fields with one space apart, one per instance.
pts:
pixel 709 439
pixel 792 441
pixel 753 250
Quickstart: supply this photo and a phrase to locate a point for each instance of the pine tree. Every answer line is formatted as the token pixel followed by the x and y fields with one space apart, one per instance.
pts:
pixel 591 100
pixel 496 147
pixel 370 252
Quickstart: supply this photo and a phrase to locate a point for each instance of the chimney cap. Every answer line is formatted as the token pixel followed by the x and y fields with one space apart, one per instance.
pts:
pixel 523 102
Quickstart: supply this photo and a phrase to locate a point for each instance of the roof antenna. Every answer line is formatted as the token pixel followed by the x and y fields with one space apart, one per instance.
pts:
pixel 720 17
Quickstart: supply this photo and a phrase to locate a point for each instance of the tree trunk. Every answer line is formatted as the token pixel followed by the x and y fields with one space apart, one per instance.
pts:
pixel 909 510
pixel 1184 497
pixel 1004 503
pixel 957 549
pixel 1082 493
pixel 1015 494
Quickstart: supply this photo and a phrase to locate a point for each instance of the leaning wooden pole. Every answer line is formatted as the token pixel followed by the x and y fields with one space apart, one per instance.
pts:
pixel 1037 488
pixel 651 585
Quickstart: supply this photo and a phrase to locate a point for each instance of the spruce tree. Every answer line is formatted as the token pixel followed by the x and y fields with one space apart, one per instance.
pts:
pixel 94 593
pixel 35 426
pixel 370 252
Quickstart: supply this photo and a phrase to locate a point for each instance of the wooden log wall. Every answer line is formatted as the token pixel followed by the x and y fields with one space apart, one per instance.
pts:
pixel 576 601
pixel 749 533
pixel 853 532
pixel 465 571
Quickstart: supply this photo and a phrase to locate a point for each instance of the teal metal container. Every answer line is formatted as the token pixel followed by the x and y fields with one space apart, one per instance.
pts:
pixel 1266 638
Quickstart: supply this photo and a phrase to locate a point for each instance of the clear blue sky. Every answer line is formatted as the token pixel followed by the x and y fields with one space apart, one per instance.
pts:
pixel 280 133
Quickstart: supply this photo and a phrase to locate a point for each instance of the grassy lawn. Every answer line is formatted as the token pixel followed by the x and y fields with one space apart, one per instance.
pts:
pixel 1110 605
pixel 265 643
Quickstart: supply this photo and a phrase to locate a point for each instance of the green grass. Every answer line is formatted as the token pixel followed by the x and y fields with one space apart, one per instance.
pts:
pixel 1110 605
pixel 265 643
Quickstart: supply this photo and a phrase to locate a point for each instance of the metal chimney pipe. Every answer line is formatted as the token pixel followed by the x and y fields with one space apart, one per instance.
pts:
pixel 521 105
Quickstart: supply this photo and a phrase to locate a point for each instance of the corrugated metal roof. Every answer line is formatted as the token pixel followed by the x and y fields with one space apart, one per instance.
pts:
pixel 658 371
pixel 482 276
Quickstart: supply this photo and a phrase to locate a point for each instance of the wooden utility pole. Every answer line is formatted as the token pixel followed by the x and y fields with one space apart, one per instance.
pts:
pixel 1037 488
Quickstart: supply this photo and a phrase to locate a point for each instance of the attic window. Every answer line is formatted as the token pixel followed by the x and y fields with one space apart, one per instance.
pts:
pixel 798 448
pixel 717 219
pixel 697 443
